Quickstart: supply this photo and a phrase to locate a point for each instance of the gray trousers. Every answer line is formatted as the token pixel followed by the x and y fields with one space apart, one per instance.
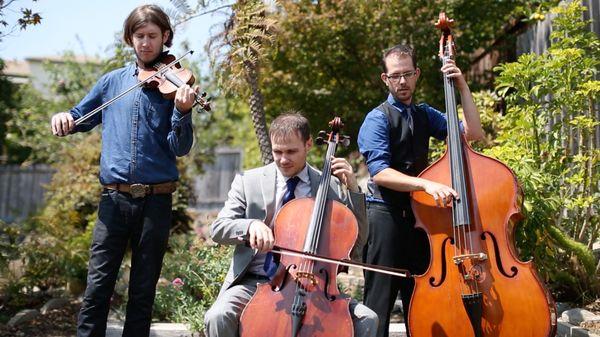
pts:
pixel 223 317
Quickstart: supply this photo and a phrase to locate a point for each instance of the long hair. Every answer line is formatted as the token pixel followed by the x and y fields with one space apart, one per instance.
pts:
pixel 143 15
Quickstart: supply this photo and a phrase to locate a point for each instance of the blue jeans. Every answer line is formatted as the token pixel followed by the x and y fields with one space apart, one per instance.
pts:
pixel 144 223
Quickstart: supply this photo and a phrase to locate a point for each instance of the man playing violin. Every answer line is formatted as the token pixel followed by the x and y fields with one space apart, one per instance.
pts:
pixel 254 198
pixel 142 134
pixel 394 140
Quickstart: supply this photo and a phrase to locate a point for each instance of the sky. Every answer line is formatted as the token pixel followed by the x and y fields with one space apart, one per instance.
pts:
pixel 88 27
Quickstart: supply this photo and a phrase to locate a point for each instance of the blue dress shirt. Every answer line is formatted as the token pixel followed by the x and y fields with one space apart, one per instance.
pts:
pixel 142 132
pixel 374 138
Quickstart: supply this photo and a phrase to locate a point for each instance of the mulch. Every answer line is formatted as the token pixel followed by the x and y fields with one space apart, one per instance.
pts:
pixel 56 323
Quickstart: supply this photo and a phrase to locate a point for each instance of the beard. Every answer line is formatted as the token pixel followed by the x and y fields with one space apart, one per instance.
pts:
pixel 150 62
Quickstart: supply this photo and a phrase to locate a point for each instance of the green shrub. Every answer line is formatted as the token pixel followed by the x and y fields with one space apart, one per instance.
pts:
pixel 194 272
pixel 547 138
pixel 57 250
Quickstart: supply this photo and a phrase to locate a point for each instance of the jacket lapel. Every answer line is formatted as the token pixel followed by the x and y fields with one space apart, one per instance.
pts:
pixel 314 177
pixel 267 184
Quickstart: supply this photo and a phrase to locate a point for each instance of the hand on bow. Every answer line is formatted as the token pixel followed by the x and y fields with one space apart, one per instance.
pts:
pixel 260 236
pixel 62 124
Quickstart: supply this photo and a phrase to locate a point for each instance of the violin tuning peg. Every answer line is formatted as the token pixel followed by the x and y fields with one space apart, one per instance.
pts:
pixel 203 94
pixel 319 141
pixel 208 99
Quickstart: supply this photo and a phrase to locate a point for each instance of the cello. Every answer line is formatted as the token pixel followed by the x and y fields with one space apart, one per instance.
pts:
pixel 479 286
pixel 303 300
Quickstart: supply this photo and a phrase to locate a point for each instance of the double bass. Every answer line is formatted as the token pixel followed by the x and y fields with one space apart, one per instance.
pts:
pixel 303 300
pixel 475 285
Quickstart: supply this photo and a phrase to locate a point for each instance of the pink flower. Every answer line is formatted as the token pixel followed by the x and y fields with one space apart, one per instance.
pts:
pixel 177 283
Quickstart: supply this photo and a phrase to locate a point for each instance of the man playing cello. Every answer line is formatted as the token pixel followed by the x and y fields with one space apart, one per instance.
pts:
pixel 255 196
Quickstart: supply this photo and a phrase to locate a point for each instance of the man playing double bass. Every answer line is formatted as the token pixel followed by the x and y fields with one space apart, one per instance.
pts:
pixel 142 134
pixel 394 140
pixel 255 197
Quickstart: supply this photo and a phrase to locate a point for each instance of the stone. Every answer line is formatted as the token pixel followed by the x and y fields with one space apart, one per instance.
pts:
pixel 564 329
pixel 562 307
pixel 156 330
pixel 577 315
pixel 23 316
pixel 55 303
pixel 397 330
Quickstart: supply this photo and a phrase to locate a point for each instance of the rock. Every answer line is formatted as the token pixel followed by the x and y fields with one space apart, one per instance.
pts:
pixel 156 330
pixel 55 303
pixel 23 316
pixel 562 307
pixel 577 315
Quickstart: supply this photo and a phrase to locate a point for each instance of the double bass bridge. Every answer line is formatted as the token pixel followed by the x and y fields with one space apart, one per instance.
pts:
pixel 468 264
pixel 478 257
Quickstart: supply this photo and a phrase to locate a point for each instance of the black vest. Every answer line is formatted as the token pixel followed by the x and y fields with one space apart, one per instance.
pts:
pixel 409 150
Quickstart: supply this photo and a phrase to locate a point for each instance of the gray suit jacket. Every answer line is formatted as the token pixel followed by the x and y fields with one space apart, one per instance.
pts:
pixel 252 197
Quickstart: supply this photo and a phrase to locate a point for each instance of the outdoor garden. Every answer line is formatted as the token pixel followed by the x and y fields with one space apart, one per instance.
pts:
pixel 540 113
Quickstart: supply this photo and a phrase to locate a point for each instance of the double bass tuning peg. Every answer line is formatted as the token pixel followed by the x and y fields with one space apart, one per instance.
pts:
pixel 345 141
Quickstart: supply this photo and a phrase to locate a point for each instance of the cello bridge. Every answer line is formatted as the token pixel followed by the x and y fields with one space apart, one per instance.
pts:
pixel 310 276
pixel 462 258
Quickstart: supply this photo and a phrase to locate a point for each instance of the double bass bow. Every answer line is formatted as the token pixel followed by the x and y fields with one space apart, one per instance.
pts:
pixel 304 300
pixel 479 286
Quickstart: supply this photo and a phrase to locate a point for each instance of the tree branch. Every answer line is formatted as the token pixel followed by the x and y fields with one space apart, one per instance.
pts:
pixel 203 13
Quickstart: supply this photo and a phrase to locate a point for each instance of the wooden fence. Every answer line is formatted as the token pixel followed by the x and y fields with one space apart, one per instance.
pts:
pixel 212 186
pixel 22 190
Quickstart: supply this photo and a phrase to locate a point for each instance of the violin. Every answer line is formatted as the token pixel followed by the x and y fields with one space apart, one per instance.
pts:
pixel 167 77
pixel 475 284
pixel 303 300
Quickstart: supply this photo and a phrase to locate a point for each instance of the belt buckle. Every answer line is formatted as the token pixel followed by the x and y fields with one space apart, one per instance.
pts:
pixel 137 190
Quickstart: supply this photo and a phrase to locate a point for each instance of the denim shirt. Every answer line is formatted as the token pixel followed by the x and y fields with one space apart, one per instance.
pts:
pixel 142 132
pixel 374 137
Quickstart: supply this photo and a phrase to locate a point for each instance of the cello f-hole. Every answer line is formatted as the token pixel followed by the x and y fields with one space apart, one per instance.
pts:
pixel 326 285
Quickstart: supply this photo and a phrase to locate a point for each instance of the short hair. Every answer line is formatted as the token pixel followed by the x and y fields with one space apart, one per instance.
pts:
pixel 288 124
pixel 143 15
pixel 399 49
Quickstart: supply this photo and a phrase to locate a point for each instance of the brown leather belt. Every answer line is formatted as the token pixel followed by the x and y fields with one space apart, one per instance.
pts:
pixel 141 190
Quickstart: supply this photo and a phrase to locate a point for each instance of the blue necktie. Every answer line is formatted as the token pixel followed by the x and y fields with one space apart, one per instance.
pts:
pixel 270 266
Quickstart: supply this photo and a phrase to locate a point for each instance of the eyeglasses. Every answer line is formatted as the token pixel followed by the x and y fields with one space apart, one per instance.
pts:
pixel 397 77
